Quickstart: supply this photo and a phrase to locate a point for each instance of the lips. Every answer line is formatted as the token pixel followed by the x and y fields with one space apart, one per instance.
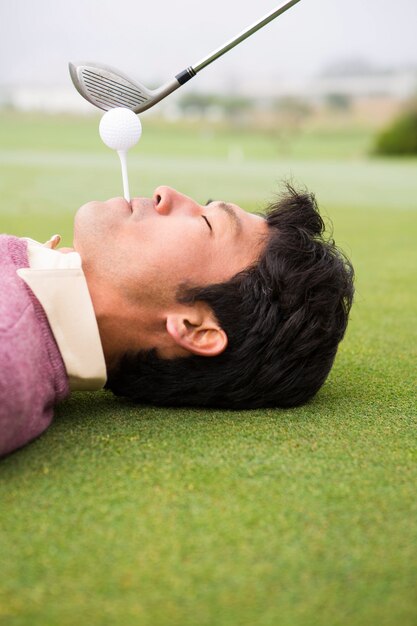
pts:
pixel 116 204
pixel 135 204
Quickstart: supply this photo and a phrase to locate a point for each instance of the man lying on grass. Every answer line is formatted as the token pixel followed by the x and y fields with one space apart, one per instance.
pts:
pixel 168 302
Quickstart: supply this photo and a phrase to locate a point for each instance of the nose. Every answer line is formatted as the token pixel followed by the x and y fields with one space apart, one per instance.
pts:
pixel 167 200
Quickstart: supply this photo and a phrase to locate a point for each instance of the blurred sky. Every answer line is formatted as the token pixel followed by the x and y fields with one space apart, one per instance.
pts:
pixel 154 40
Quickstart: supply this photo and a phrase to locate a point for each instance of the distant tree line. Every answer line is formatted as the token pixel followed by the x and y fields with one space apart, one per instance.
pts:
pixel 291 107
pixel 202 104
pixel 400 138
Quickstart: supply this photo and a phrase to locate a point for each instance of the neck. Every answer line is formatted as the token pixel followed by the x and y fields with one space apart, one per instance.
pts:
pixel 126 329
pixel 125 326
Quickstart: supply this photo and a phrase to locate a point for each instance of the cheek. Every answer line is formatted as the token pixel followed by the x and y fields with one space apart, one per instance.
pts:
pixel 170 244
pixel 178 261
pixel 169 262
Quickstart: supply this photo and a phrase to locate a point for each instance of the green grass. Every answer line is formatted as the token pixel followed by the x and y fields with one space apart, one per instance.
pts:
pixel 69 134
pixel 127 515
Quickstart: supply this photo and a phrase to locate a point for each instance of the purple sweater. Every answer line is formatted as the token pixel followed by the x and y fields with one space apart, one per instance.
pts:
pixel 32 373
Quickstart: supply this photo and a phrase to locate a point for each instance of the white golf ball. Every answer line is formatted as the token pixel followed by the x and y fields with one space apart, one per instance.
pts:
pixel 120 128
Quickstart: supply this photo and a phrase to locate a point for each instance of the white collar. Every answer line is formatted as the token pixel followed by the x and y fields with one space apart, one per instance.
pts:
pixel 59 283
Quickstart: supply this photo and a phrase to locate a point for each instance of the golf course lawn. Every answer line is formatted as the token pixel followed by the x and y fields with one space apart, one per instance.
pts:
pixel 158 517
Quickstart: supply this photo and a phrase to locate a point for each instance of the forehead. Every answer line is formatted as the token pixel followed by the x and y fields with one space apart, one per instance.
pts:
pixel 256 222
pixel 255 232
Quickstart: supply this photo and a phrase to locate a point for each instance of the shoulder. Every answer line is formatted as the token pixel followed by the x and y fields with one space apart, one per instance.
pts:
pixel 25 412
pixel 14 295
pixel 27 391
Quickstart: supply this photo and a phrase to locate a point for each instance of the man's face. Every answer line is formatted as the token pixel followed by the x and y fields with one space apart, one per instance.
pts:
pixel 148 248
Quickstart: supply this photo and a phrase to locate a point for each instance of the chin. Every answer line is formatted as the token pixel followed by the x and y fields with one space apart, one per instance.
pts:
pixel 85 224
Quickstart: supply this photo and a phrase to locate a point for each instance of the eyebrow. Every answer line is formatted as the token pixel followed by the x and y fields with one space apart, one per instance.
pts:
pixel 227 208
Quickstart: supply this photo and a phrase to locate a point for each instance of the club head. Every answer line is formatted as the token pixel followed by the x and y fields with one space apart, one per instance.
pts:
pixel 107 87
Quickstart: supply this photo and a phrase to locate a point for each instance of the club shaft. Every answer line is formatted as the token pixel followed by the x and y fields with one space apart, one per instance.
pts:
pixel 243 35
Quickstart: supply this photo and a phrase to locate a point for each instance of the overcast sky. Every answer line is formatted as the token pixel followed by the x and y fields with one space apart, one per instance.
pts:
pixel 154 40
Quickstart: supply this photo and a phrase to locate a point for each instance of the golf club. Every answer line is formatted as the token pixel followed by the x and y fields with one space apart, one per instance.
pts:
pixel 107 87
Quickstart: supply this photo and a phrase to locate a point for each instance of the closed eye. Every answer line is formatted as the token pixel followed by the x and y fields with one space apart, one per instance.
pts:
pixel 208 223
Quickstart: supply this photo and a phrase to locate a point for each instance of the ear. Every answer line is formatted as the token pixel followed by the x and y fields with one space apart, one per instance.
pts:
pixel 196 330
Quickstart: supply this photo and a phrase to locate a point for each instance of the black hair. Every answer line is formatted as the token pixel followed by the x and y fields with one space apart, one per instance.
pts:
pixel 284 318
